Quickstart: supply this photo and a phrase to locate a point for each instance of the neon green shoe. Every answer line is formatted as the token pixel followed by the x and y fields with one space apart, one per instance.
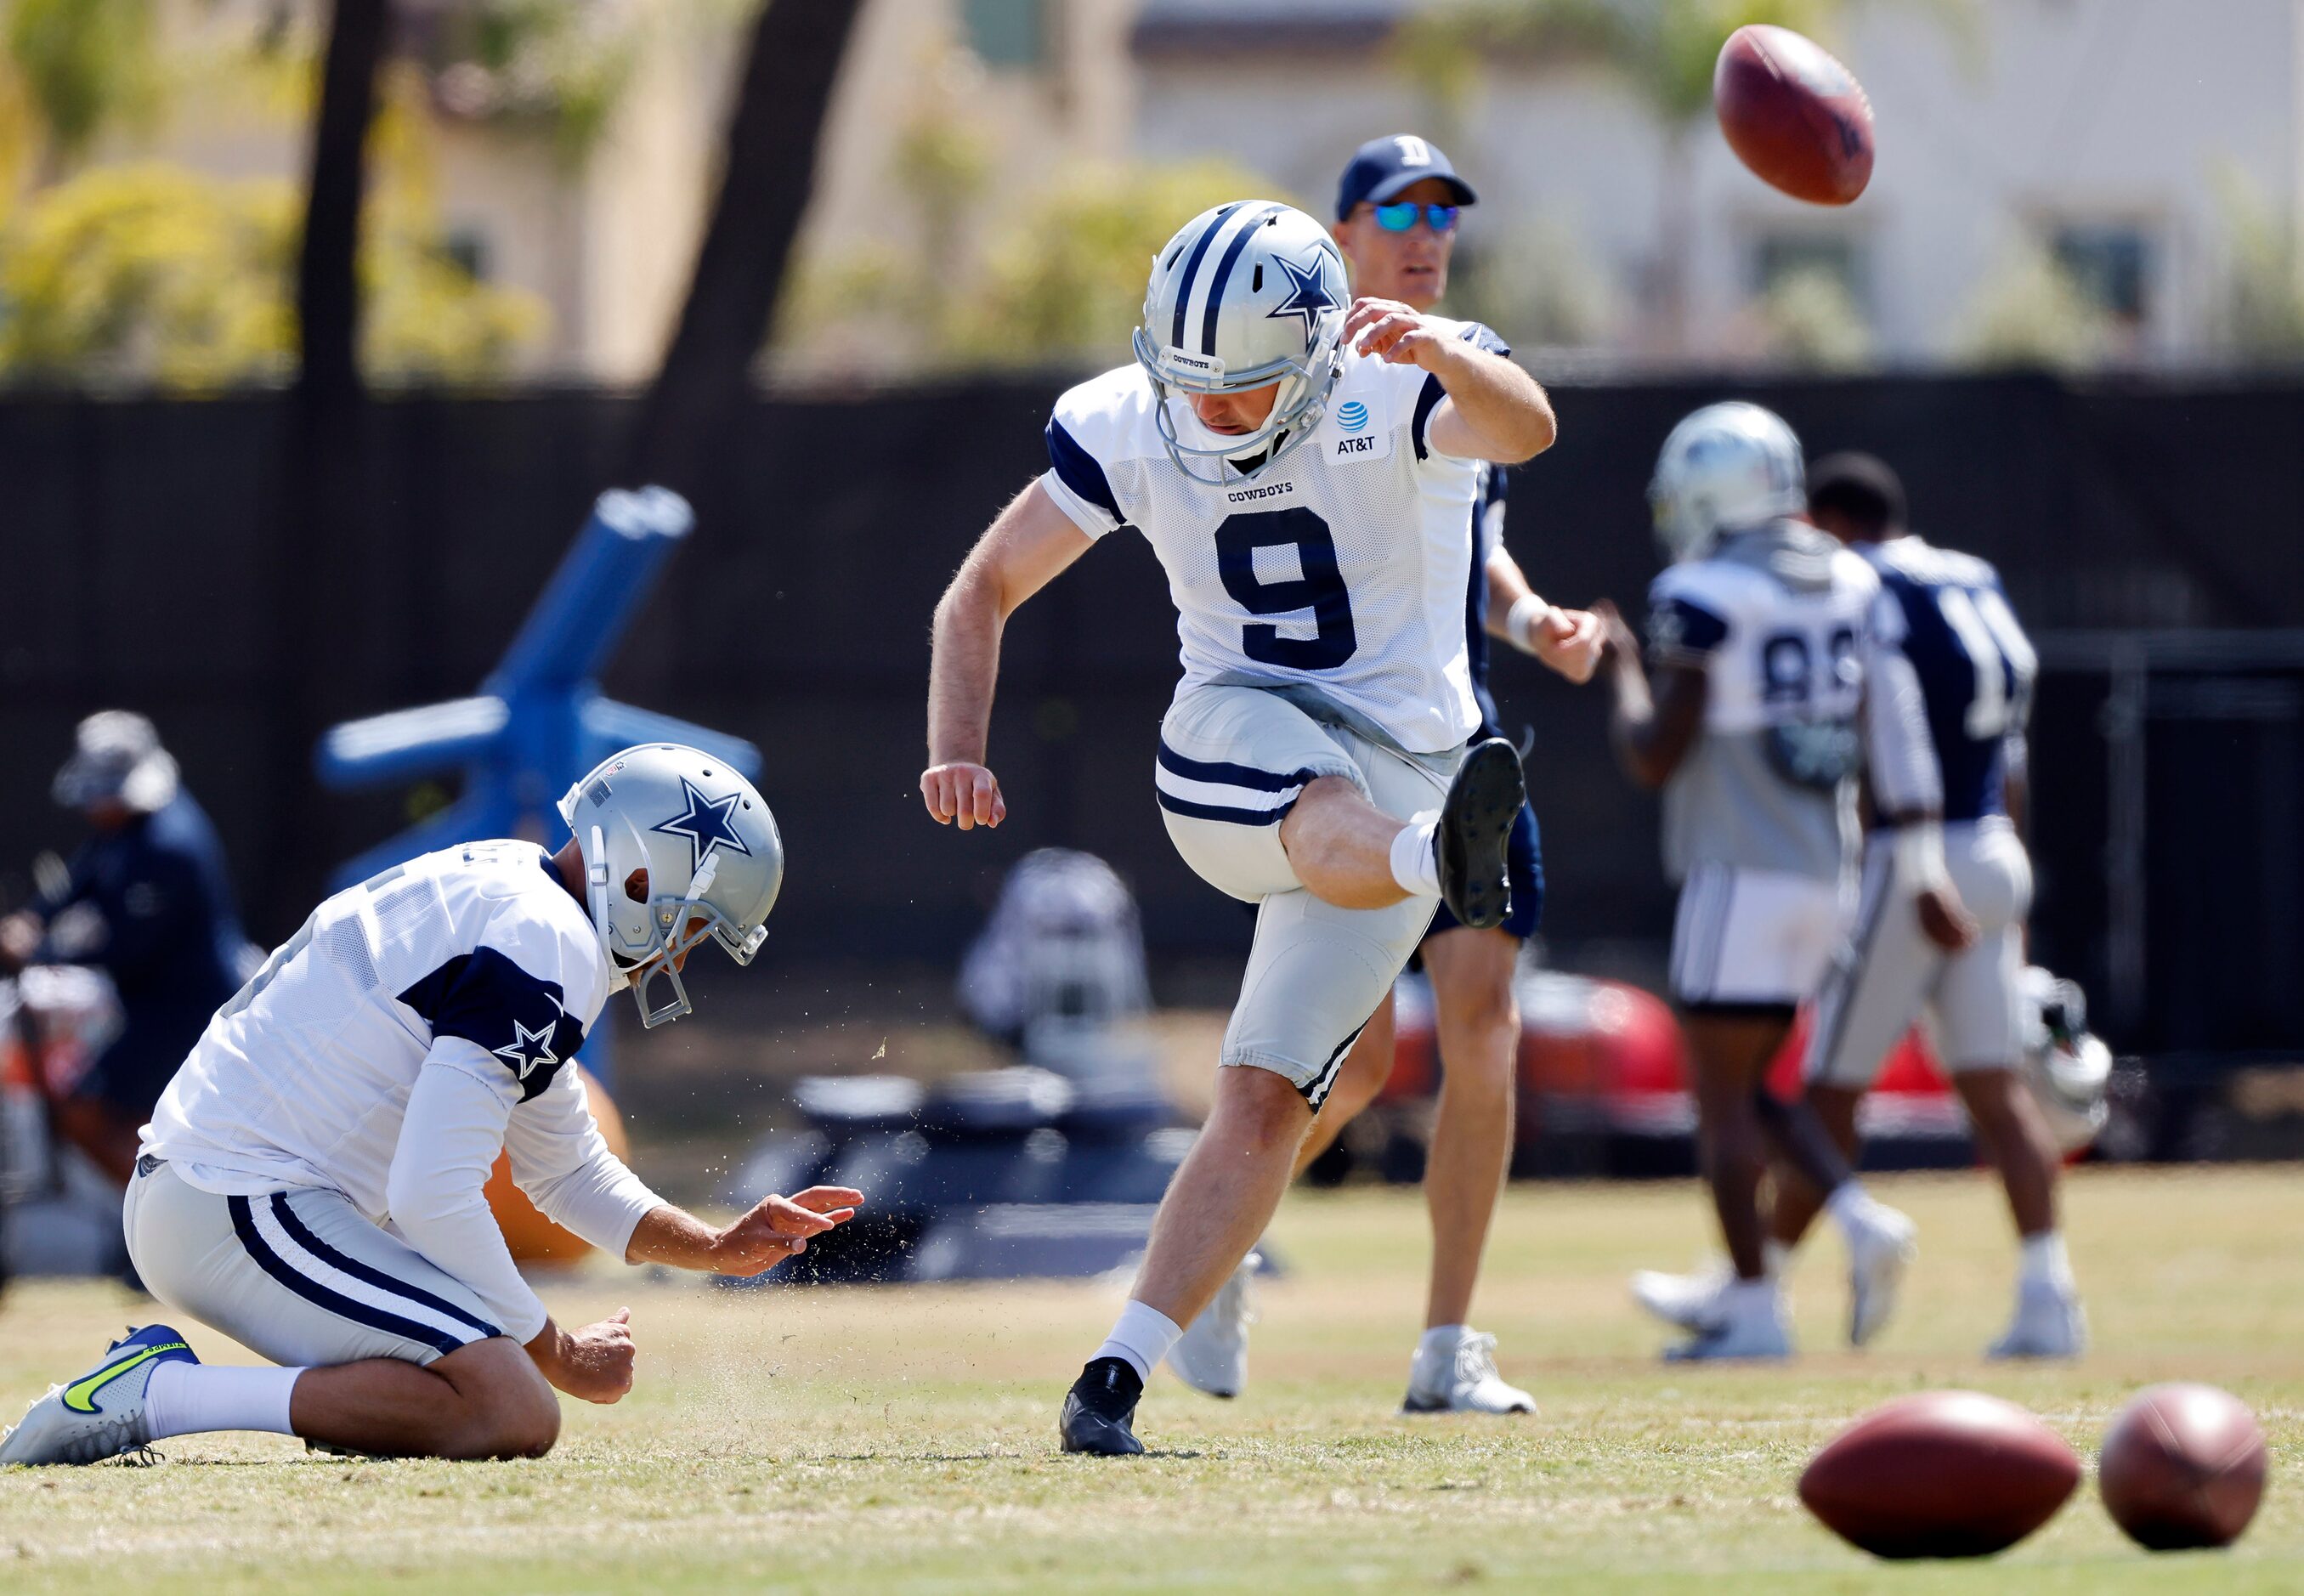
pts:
pixel 101 1414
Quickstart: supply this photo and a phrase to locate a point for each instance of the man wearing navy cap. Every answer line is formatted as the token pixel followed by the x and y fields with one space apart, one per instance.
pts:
pixel 149 902
pixel 1397 209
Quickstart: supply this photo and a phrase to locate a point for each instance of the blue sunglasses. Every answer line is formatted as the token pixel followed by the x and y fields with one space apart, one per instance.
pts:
pixel 1401 216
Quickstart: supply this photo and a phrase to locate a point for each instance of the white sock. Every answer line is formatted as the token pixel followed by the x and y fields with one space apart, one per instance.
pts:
pixel 187 1398
pixel 1776 1257
pixel 1440 1342
pixel 2043 1259
pixel 1848 1207
pixel 1415 865
pixel 1140 1337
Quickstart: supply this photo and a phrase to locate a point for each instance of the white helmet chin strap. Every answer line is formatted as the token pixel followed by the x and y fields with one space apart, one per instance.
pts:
pixel 596 899
pixel 701 882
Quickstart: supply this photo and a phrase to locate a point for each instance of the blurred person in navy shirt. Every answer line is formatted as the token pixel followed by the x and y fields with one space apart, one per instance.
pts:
pixel 149 903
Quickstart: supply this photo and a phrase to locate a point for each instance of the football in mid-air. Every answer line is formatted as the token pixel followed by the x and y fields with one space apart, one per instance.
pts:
pixel 1942 1474
pixel 1793 115
pixel 2182 1466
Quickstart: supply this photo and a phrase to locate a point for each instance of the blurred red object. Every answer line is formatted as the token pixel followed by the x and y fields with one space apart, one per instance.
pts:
pixel 1607 1056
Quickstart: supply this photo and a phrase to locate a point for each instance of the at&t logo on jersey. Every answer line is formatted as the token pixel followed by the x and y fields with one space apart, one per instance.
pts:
pixel 1362 438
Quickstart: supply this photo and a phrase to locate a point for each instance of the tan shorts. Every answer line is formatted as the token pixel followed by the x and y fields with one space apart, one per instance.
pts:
pixel 301 1277
pixel 1889 974
pixel 1232 762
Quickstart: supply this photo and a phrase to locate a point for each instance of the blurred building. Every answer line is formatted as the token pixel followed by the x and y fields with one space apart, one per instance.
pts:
pixel 2060 181
pixel 2124 141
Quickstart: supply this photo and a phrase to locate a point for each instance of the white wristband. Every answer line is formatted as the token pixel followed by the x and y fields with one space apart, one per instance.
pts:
pixel 1520 621
pixel 1920 854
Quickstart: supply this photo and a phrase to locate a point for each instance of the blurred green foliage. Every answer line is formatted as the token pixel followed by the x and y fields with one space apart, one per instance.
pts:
pixel 1067 278
pixel 1056 276
pixel 2029 314
pixel 139 270
pixel 1814 323
pixel 83 65
pixel 557 65
pixel 2266 290
pixel 154 273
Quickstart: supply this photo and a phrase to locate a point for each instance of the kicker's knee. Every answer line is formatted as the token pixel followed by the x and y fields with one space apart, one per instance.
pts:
pixel 1262 1110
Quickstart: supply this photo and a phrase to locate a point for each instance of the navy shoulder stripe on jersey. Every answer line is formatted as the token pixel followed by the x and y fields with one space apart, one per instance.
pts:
pixel 487 999
pixel 1192 267
pixel 1680 626
pixel 1078 470
pixel 1427 400
pixel 1479 334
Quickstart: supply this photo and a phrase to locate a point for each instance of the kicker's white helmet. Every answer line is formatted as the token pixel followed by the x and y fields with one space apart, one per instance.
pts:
pixel 1725 468
pixel 711 850
pixel 1246 294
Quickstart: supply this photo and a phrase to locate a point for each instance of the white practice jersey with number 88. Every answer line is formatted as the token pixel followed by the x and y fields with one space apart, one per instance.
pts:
pixel 1343 567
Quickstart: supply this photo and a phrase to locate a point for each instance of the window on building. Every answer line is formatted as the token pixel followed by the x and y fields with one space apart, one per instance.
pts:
pixel 1778 256
pixel 1007 33
pixel 2111 262
pixel 468 247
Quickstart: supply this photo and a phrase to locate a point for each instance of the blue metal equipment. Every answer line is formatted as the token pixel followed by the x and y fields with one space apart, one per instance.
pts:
pixel 540 720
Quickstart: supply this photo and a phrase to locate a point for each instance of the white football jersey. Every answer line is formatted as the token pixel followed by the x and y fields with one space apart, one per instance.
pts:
pixel 1777 620
pixel 1343 567
pixel 477 956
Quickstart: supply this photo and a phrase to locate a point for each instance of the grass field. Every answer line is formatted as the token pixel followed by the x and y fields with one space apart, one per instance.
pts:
pixel 860 1440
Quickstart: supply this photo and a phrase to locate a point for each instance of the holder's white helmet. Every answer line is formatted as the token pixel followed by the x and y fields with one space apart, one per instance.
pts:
pixel 1246 294
pixel 1725 468
pixel 711 850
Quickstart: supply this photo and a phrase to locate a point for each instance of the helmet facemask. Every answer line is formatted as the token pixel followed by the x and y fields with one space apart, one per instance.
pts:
pixel 1305 386
pixel 680 925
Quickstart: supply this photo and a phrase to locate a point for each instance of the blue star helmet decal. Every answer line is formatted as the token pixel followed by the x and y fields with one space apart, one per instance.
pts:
pixel 704 825
pixel 1309 293
pixel 528 1049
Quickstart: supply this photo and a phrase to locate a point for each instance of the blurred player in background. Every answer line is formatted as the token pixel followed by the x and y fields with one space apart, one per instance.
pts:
pixel 1397 207
pixel 147 900
pixel 1757 635
pixel 1943 837
pixel 1307 475
pixel 311 1182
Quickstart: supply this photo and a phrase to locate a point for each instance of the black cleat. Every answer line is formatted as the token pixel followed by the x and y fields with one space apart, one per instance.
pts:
pixel 1474 842
pixel 1098 1408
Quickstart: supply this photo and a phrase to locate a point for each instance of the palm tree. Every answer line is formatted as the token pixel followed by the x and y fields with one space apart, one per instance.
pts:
pixel 1661 50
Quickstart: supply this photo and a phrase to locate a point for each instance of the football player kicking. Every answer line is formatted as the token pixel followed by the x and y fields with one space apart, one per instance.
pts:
pixel 1939 928
pixel 1307 476
pixel 1758 633
pixel 1397 207
pixel 310 1183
